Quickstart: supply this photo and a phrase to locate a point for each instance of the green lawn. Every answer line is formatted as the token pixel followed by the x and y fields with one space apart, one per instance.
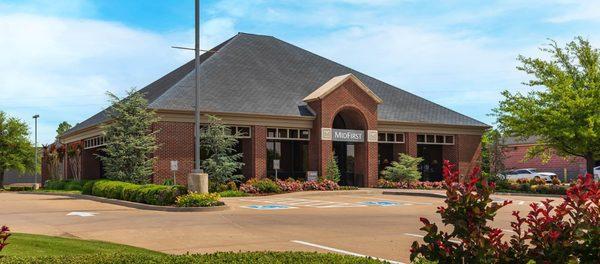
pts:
pixel 26 248
pixel 38 245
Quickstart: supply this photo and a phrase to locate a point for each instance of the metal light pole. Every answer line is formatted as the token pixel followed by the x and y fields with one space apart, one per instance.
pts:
pixel 35 162
pixel 197 91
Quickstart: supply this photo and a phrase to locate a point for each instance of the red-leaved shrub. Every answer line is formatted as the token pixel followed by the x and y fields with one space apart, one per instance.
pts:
pixel 566 233
pixel 4 235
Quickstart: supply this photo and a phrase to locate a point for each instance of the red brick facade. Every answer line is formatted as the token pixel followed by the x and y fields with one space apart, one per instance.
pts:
pixel 358 109
pixel 515 159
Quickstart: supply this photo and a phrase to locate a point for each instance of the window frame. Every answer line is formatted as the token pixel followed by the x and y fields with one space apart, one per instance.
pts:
pixel 395 137
pixel 299 133
pixel 435 136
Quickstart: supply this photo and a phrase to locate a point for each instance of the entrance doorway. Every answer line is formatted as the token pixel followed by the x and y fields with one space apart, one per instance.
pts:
pixel 431 167
pixel 349 155
pixel 345 156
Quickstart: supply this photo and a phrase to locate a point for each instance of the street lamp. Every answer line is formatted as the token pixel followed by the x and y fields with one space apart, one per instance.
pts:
pixel 35 117
pixel 197 180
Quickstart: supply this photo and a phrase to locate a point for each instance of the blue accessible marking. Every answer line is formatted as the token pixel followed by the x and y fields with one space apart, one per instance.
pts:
pixel 379 203
pixel 268 207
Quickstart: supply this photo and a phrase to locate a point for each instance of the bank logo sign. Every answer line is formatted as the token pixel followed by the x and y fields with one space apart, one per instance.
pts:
pixel 348 135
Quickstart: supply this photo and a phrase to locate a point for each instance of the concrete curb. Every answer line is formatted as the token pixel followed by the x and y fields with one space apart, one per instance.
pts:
pixel 422 194
pixel 135 205
pixel 529 194
pixel 438 195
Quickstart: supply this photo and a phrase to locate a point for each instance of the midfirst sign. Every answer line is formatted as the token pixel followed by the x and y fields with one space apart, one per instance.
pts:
pixel 348 135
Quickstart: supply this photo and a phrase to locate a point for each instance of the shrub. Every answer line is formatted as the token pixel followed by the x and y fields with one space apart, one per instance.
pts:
pixel 426 185
pixel 566 233
pixel 198 200
pixel 54 185
pixel 148 193
pixel 555 181
pixel 248 188
pixel 332 171
pixel 73 186
pixel 290 185
pixel 265 185
pixel 4 235
pixel 406 169
pixel 537 181
pixel 232 193
pixel 87 187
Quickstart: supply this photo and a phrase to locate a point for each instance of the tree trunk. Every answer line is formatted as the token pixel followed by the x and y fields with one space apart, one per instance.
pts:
pixel 590 162
pixel 1 178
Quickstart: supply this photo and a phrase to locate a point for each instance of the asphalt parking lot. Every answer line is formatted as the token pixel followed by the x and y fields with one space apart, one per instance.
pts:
pixel 364 222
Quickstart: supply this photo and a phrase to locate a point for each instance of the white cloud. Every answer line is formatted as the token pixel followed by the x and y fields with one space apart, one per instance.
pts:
pixel 581 10
pixel 61 67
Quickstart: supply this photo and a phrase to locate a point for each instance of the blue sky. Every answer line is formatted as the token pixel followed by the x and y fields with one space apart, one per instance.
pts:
pixel 58 58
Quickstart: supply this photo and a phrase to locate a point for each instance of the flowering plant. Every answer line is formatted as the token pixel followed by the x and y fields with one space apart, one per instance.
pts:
pixel 4 235
pixel 565 233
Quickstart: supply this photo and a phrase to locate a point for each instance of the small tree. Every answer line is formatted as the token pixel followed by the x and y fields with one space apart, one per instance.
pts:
pixel 565 114
pixel 492 154
pixel 63 127
pixel 130 140
pixel 16 152
pixel 332 171
pixel 406 169
pixel 74 159
pixel 222 161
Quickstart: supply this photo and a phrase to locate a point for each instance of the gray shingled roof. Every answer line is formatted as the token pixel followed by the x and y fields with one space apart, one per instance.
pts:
pixel 264 75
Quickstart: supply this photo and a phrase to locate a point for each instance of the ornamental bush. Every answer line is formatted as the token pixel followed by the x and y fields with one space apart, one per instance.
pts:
pixel 4 235
pixel 199 200
pixel 147 193
pixel 564 233
pixel 406 169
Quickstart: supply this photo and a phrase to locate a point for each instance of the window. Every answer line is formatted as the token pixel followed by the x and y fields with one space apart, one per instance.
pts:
pixel 435 139
pixel 94 142
pixel 384 137
pixel 288 133
pixel 242 131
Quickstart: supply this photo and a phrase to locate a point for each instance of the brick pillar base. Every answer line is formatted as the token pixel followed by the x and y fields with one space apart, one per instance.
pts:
pixel 259 151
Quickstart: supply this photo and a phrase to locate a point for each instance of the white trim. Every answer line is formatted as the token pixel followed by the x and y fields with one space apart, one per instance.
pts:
pixel 288 130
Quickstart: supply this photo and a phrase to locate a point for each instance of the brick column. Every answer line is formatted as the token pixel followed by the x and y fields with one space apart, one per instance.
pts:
pixel 325 153
pixel 259 151
pixel 371 164
pixel 411 144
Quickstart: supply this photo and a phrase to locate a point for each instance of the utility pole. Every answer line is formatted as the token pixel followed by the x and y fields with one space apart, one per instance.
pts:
pixel 35 162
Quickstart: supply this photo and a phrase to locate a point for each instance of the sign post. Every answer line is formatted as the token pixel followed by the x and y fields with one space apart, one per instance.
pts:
pixel 276 167
pixel 174 169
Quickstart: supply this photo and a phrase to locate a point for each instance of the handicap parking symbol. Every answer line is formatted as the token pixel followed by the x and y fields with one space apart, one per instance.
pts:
pixel 268 207
pixel 379 203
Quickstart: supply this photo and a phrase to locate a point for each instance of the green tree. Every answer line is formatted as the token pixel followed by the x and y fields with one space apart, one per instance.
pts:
pixel 332 171
pixel 222 161
pixel 406 169
pixel 16 151
pixel 565 113
pixel 130 139
pixel 62 128
pixel 492 154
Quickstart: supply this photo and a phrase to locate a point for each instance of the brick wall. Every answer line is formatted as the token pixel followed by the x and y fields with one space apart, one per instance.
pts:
pixel 176 142
pixel 468 149
pixel 515 156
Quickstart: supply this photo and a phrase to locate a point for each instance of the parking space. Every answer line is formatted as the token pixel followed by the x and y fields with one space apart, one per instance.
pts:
pixel 362 222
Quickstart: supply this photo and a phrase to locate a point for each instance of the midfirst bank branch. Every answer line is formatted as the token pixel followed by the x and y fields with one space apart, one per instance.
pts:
pixel 294 106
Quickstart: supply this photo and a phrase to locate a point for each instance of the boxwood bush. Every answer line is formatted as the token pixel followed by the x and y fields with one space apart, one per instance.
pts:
pixel 148 193
pixel 199 200
pixel 221 257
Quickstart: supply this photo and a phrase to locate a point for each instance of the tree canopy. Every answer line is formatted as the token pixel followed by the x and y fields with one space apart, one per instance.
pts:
pixel 221 161
pixel 62 128
pixel 16 151
pixel 563 110
pixel 130 139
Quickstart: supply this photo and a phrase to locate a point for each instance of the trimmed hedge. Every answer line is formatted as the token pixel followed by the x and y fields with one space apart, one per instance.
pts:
pixel 222 257
pixel 63 185
pixel 148 193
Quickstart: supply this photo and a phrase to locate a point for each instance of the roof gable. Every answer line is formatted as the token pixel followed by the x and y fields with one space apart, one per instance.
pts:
pixel 335 83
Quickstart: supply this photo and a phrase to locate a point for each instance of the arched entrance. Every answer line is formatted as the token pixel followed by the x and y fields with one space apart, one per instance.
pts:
pixel 349 153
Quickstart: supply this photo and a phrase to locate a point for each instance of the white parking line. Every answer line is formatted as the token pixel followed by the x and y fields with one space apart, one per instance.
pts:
pixel 343 251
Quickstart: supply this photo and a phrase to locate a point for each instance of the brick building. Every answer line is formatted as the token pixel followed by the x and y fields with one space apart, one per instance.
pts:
pixel 296 107
pixel 515 150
